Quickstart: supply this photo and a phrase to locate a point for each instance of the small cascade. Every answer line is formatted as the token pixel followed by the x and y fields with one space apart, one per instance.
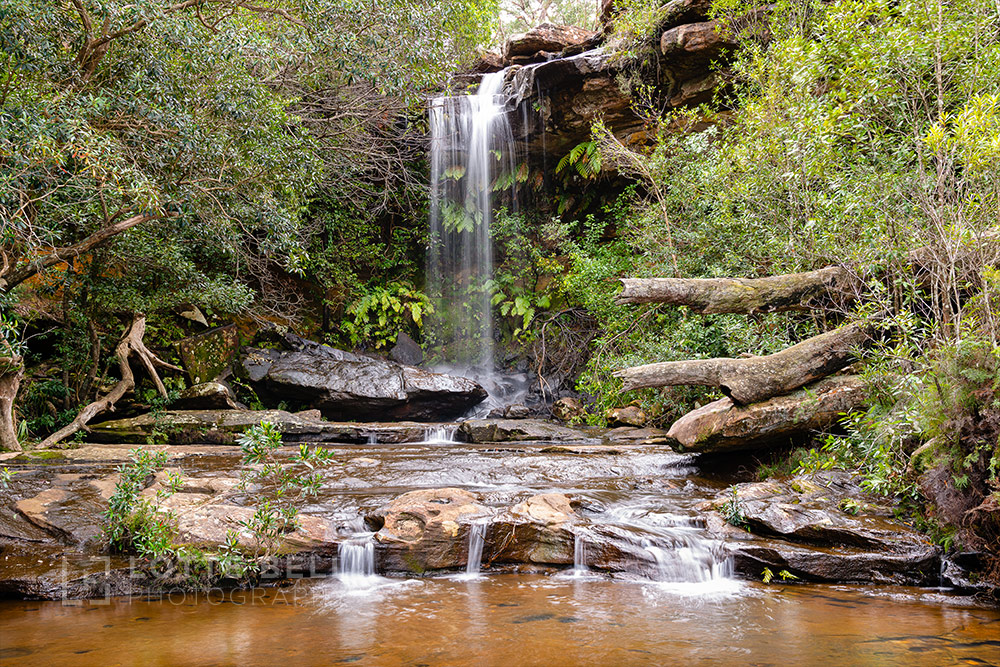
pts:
pixel 691 561
pixel 440 435
pixel 477 538
pixel 357 562
pixel 579 555
pixel 472 168
pixel 372 438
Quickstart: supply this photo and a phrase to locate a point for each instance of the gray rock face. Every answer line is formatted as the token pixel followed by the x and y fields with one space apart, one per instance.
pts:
pixel 406 351
pixel 208 354
pixel 814 527
pixel 513 430
pixel 344 386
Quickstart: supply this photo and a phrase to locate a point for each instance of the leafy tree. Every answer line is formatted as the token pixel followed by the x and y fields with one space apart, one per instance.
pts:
pixel 162 154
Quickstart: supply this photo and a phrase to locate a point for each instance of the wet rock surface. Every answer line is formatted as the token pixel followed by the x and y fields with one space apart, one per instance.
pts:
pixel 224 426
pixel 346 386
pixel 514 430
pixel 815 527
pixel 426 529
pixel 633 508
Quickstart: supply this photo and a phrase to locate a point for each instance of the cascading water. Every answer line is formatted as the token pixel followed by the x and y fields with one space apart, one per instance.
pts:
pixel 477 538
pixel 472 165
pixel 579 555
pixel 690 559
pixel 357 562
pixel 440 435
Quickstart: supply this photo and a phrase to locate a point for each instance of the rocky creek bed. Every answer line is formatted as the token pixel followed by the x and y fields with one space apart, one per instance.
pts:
pixel 601 532
pixel 540 497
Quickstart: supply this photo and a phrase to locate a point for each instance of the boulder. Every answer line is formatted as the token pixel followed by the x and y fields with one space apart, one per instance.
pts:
pixel 345 386
pixel 515 411
pixel 426 530
pixel 406 351
pixel 821 527
pixel 723 426
pixel 487 62
pixel 630 415
pixel 546 37
pixel 568 408
pixel 207 396
pixel 537 530
pixel 693 46
pixel 222 427
pixel 514 430
pixel 429 530
pixel 208 355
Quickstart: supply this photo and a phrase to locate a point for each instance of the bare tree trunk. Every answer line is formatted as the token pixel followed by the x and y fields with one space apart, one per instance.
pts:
pixel 794 291
pixel 130 343
pixel 757 378
pixel 11 371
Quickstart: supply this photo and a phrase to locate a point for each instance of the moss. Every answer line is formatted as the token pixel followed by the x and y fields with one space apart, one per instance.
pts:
pixel 42 455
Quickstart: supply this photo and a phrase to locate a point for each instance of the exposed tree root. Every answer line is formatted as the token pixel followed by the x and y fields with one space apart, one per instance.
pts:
pixel 131 343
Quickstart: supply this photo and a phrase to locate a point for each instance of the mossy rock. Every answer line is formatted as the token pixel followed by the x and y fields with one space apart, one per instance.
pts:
pixel 209 354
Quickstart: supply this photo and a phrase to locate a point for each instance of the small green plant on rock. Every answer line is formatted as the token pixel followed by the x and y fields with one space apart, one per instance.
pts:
pixel 732 511
pixel 280 484
pixel 767 575
pixel 133 521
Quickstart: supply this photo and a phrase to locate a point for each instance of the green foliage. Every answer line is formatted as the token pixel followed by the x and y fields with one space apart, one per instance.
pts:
pixel 585 158
pixel 133 523
pixel 280 484
pixel 5 477
pixel 379 316
pixel 527 278
pixel 767 575
pixel 732 511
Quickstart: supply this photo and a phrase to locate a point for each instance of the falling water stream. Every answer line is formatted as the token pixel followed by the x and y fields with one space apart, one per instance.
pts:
pixel 472 166
pixel 477 538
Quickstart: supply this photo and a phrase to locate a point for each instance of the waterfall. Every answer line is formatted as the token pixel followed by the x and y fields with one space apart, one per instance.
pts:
pixel 477 538
pixel 579 555
pixel 440 435
pixel 357 562
pixel 692 561
pixel 472 158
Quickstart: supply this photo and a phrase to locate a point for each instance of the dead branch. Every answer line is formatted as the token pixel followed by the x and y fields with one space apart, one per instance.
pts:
pixel 131 343
pixel 757 378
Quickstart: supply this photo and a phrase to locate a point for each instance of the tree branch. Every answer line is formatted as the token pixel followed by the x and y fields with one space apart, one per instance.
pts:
pixel 60 255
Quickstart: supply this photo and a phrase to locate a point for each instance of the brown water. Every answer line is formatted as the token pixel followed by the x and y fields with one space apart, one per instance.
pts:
pixel 509 620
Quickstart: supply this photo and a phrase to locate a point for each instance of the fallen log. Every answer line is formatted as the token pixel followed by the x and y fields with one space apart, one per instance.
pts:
pixel 794 291
pixel 756 379
pixel 807 290
pixel 722 426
